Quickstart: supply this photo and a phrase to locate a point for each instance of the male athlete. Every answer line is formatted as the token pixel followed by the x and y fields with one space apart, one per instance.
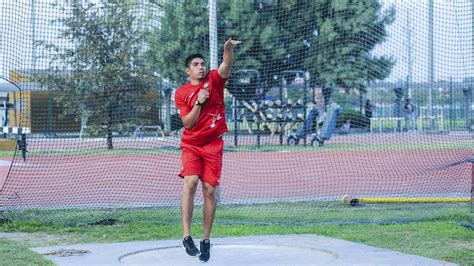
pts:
pixel 201 108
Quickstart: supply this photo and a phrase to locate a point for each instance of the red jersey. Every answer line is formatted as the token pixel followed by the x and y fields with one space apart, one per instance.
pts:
pixel 211 123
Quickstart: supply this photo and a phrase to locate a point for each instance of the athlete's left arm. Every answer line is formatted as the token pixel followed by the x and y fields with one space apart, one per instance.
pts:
pixel 228 58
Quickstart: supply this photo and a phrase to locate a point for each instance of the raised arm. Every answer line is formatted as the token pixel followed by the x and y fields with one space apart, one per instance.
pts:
pixel 228 58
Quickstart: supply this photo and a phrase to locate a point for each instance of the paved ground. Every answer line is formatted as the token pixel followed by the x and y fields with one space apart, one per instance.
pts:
pixel 253 250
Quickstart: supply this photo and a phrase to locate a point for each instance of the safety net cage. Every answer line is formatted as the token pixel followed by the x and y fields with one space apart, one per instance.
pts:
pixel 337 111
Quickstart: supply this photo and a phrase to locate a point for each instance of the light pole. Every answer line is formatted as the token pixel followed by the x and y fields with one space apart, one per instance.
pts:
pixel 33 35
pixel 410 61
pixel 431 62
pixel 213 33
pixel 213 54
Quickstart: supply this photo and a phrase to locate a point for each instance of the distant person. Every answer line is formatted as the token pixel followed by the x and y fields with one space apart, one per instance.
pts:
pixel 368 110
pixel 138 133
pixel 409 115
pixel 345 128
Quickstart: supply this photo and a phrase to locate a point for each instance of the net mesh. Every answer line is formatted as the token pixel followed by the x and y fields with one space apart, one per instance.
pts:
pixel 338 111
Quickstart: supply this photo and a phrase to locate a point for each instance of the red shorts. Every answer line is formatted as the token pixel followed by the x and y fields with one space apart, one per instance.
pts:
pixel 204 161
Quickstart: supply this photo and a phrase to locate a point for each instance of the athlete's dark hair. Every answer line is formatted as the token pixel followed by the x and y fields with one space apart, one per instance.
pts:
pixel 191 57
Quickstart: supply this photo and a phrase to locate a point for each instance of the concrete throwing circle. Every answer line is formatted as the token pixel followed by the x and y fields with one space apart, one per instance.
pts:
pixel 234 254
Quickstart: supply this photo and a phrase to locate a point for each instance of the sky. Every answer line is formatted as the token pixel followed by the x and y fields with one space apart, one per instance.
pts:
pixel 407 39
pixel 453 47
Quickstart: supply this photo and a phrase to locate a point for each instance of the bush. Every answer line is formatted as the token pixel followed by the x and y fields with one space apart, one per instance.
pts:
pixel 358 120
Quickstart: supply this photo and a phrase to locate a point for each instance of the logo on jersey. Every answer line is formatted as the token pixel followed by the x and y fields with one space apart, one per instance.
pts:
pixel 215 117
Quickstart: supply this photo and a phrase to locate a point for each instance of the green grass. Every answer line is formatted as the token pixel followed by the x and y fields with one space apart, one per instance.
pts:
pixel 6 154
pixel 435 146
pixel 433 230
pixel 444 240
pixel 280 213
pixel 389 147
pixel 14 253
pixel 103 152
pixel 399 146
pixel 459 124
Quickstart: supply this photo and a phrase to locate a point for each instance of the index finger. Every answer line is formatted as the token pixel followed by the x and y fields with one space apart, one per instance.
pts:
pixel 232 40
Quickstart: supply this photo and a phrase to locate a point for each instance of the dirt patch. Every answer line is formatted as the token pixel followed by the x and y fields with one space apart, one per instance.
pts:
pixel 67 252
pixel 464 244
pixel 41 239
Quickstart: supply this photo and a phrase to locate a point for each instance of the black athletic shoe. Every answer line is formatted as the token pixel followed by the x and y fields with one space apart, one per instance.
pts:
pixel 188 245
pixel 205 247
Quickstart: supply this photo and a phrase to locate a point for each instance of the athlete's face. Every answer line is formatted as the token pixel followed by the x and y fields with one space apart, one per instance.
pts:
pixel 196 69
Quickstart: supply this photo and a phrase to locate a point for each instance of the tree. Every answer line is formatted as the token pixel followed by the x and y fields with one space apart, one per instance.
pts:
pixel 347 32
pixel 183 30
pixel 105 77
pixel 261 48
pixel 332 40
